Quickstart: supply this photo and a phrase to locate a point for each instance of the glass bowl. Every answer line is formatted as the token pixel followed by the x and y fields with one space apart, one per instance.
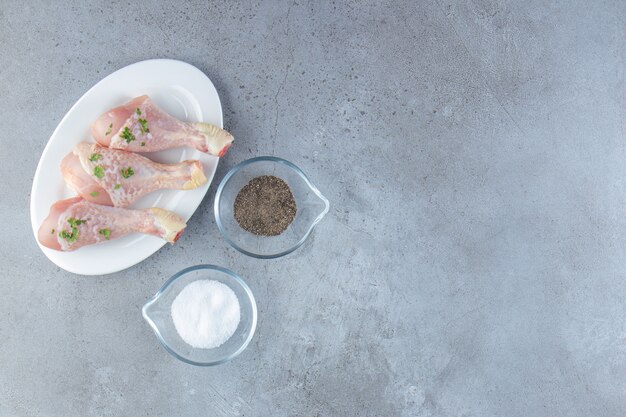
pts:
pixel 311 207
pixel 157 313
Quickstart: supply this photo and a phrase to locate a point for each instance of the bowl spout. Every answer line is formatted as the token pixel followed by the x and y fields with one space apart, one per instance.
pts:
pixel 323 206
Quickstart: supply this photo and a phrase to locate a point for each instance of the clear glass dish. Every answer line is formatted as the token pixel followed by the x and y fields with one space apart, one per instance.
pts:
pixel 311 207
pixel 157 313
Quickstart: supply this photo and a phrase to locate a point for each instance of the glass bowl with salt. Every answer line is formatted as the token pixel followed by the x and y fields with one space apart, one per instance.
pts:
pixel 266 207
pixel 204 315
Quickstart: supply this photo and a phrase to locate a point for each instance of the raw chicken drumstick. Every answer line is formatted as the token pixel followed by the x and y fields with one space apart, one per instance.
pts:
pixel 118 178
pixel 74 223
pixel 140 126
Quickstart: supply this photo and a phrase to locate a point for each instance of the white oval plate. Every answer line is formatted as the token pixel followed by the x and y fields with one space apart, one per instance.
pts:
pixel 177 87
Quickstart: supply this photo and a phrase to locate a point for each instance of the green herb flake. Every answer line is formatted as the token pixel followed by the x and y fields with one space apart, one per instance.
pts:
pixel 94 194
pixel 138 111
pixel 117 186
pixel 108 132
pixel 98 171
pixel 95 157
pixel 143 143
pixel 73 235
pixel 127 135
pixel 106 233
pixel 144 126
pixel 70 237
pixel 75 222
pixel 52 232
pixel 127 172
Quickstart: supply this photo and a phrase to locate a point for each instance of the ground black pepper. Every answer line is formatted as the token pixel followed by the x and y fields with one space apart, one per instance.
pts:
pixel 265 206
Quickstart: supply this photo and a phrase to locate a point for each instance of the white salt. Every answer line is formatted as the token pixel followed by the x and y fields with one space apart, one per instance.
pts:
pixel 206 313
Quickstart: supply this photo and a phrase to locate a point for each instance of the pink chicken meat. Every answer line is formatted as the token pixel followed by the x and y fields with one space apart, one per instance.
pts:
pixel 118 178
pixel 74 223
pixel 140 126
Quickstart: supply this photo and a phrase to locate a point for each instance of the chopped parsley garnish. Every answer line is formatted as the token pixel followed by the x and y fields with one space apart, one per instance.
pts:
pixel 117 186
pixel 98 171
pixel 69 236
pixel 75 222
pixel 105 232
pixel 108 130
pixel 94 157
pixel 144 126
pixel 127 135
pixel 143 143
pixel 94 194
pixel 73 235
pixel 127 172
pixel 52 232
pixel 138 111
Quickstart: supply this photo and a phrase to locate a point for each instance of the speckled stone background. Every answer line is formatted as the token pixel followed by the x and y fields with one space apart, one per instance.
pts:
pixel 473 262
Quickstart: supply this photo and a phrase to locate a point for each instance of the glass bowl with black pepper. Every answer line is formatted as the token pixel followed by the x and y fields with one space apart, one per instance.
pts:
pixel 266 207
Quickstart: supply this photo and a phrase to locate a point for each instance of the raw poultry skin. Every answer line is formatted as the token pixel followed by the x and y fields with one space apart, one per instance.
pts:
pixel 74 223
pixel 140 126
pixel 102 175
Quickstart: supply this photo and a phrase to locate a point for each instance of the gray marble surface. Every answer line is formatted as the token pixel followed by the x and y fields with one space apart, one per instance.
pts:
pixel 473 262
